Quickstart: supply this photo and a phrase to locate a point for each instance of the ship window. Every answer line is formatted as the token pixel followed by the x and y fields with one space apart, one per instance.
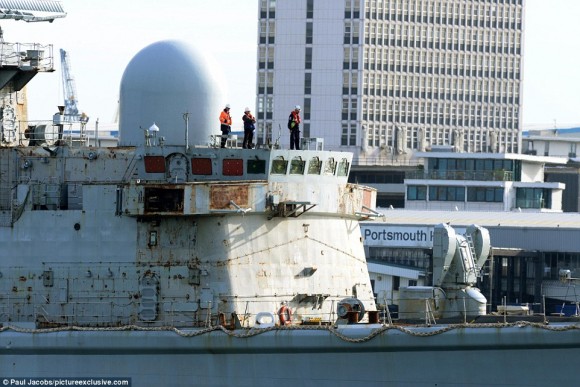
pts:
pixel 163 200
pixel 343 167
pixel 255 167
pixel 330 166
pixel 297 166
pixel 233 167
pixel 201 166
pixel 279 166
pixel 314 166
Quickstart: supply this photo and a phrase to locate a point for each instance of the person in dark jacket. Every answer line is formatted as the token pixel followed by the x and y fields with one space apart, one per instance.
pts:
pixel 294 127
pixel 249 127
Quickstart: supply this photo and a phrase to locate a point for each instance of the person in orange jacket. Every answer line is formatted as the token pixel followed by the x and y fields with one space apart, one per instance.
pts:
pixel 249 127
pixel 225 124
pixel 294 126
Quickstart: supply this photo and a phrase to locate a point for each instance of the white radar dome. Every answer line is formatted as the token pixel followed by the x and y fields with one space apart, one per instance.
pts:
pixel 161 83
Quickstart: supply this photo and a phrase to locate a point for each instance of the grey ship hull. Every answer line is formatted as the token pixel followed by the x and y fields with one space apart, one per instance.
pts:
pixel 514 355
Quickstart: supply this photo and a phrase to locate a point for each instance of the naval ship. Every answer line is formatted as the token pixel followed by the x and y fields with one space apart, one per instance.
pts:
pixel 168 260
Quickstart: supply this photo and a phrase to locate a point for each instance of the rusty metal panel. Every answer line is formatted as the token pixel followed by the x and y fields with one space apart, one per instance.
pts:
pixel 222 194
pixel 367 198
pixel 154 164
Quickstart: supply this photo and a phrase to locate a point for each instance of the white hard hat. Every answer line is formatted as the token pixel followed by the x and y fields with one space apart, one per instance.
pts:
pixel 297 107
pixel 227 106
pixel 246 110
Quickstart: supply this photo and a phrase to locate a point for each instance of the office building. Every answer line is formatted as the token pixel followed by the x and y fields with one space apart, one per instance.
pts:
pixel 383 78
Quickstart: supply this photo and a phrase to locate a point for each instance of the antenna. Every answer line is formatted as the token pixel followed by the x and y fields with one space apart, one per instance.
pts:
pixel 186 119
pixel 277 142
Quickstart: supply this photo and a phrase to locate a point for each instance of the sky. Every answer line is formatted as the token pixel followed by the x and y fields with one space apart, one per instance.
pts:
pixel 101 37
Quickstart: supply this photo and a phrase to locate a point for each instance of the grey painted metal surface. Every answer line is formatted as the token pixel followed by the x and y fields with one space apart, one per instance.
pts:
pixel 510 355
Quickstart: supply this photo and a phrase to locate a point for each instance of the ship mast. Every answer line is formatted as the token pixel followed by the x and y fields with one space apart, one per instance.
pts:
pixel 19 63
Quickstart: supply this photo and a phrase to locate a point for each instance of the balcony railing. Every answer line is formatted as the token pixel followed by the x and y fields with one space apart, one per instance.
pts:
pixel 27 56
pixel 498 175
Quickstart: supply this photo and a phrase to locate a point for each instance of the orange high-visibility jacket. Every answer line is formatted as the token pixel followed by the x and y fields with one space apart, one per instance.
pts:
pixel 225 118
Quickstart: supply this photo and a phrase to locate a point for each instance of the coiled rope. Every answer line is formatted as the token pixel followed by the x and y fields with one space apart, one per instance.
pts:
pixel 416 330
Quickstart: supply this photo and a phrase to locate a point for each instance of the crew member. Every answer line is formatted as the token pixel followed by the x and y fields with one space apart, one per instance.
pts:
pixel 225 124
pixel 294 126
pixel 249 127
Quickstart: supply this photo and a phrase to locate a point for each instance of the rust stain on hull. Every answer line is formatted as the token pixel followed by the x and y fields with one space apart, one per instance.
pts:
pixel 221 195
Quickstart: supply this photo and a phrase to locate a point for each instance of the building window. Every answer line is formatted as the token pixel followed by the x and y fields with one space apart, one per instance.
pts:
pixel 396 282
pixel 271 31
pixel 308 83
pixel 306 129
pixel 346 59
pixel 270 80
pixel 261 83
pixel 344 135
pixel 446 193
pixel 533 198
pixel 263 9
pixel 485 194
pixel 307 109
pixel 262 58
pixel 269 107
pixel 272 8
pixel 308 58
pixel 347 32
pixel 348 9
pixel 261 107
pixel 416 192
pixel 309 33
pixel 263 32
pixel 270 57
pixel 309 9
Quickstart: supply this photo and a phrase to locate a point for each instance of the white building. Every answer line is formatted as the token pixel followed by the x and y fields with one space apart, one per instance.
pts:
pixel 483 182
pixel 559 142
pixel 552 142
pixel 382 78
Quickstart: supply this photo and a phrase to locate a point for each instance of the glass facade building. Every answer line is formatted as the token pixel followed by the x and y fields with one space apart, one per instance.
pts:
pixel 383 78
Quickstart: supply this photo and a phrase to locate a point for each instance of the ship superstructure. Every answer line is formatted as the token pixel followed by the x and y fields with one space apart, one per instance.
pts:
pixel 160 235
